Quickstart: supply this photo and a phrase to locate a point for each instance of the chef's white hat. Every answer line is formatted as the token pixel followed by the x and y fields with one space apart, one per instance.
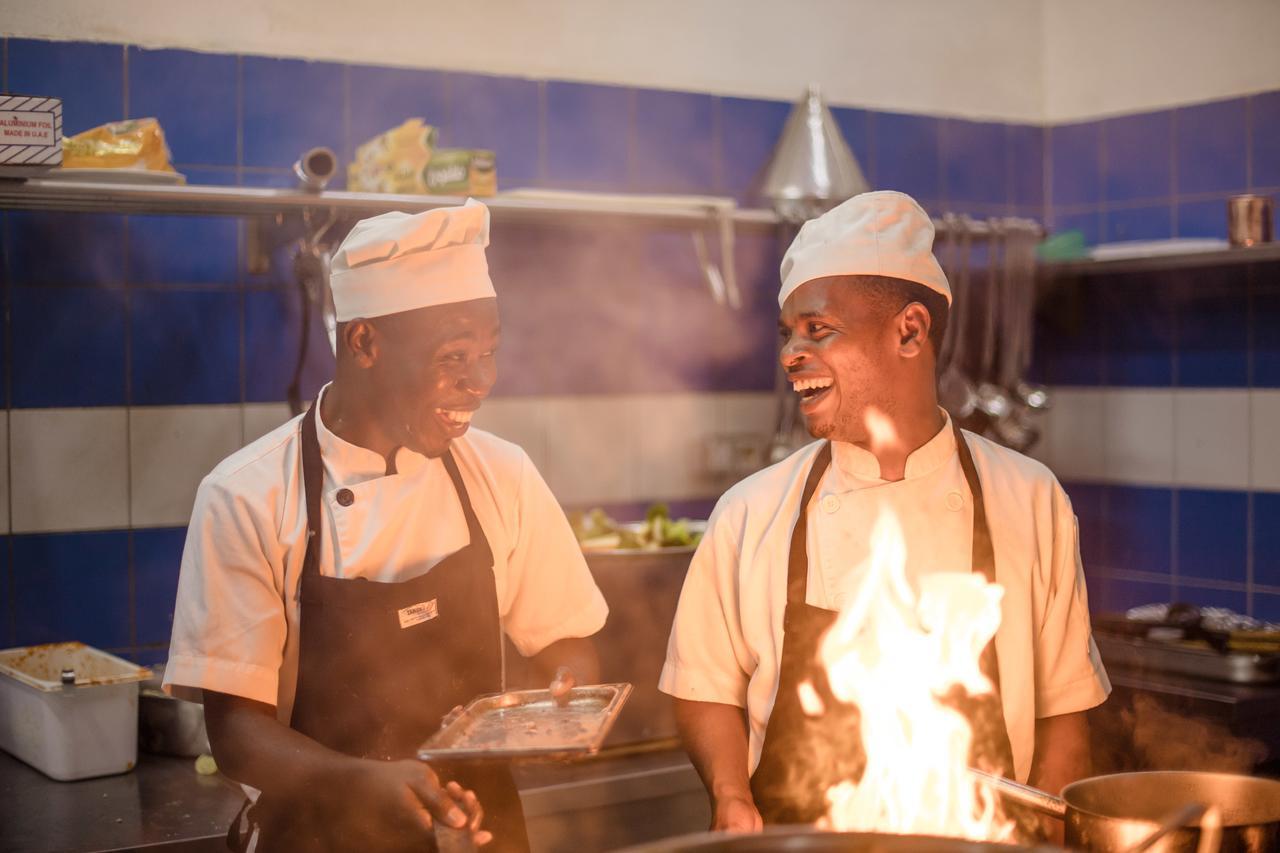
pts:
pixel 401 261
pixel 881 233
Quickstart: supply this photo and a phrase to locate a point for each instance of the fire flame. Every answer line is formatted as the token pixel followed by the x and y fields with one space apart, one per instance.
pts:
pixel 894 654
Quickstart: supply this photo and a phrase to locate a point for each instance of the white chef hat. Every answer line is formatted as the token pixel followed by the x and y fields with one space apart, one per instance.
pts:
pixel 881 233
pixel 401 261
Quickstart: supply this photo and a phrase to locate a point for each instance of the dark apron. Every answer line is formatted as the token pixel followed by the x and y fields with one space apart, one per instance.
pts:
pixel 803 756
pixel 375 676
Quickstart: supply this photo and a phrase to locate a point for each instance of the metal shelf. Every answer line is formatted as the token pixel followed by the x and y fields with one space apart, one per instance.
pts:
pixel 1157 263
pixel 201 200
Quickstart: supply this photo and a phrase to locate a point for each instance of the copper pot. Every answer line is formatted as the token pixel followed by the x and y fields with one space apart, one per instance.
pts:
pixel 806 838
pixel 1117 812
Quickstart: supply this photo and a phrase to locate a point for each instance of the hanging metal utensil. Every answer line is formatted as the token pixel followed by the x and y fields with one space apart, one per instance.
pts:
pixel 955 390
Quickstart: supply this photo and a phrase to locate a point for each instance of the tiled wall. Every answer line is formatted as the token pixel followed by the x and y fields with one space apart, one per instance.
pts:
pixel 1162 174
pixel 140 351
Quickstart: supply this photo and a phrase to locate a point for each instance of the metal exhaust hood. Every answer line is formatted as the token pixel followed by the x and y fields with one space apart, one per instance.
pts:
pixel 813 169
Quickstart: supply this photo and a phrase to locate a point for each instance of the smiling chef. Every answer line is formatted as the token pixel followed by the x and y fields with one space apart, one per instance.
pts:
pixel 347 578
pixel 864 308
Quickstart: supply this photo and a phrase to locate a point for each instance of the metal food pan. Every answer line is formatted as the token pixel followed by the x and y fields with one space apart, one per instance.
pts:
pixel 529 724
pixel 1187 660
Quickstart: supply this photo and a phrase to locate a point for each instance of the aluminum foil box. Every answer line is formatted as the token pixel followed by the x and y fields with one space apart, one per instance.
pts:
pixel 30 134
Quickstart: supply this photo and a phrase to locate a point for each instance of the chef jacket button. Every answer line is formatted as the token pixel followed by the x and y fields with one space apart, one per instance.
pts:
pixel 345 497
pixel 830 503
pixel 955 501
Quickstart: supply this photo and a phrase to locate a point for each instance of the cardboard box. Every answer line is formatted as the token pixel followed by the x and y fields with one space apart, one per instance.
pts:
pixel 461 171
pixel 30 134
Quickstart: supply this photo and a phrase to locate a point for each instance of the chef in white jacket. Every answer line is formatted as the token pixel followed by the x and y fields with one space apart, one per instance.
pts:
pixel 348 578
pixel 864 306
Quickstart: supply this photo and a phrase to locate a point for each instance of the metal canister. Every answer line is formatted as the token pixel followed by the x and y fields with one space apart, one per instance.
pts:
pixel 1250 220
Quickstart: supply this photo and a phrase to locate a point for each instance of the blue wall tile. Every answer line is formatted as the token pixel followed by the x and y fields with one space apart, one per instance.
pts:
pixel 1069 337
pixel 72 586
pixel 194 95
pixel 908 155
pixel 1213 535
pixel 186 249
pixel 1263 148
pixel 975 162
pixel 290 106
pixel 271 319
pixel 1264 325
pixel 1075 159
pixel 749 131
pixel 1201 218
pixel 1139 223
pixel 588 131
pixel 1088 223
pixel 1026 155
pixel 674 146
pixel 1139 156
pixel 1137 321
pixel 857 127
pixel 500 114
pixel 1211 140
pixel 1138 529
pixel 749 358
pixel 157 555
pixel 1266 606
pixel 37 242
pixel 382 98
pixel 1113 595
pixel 1266 539
pixel 1212 320
pixel 1202 596
pixel 68 346
pixel 1087 501
pixel 89 78
pixel 185 347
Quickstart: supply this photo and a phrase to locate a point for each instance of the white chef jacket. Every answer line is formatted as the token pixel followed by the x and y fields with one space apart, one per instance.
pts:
pixel 726 642
pixel 235 626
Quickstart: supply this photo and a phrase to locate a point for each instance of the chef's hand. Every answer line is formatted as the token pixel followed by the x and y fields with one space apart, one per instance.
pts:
pixel 562 684
pixel 409 796
pixel 736 813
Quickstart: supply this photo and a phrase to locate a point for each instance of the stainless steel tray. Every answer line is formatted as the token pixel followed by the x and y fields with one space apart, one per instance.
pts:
pixel 1236 667
pixel 529 724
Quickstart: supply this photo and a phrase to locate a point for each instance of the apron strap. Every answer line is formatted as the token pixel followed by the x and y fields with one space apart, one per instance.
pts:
pixel 475 532
pixel 798 560
pixel 984 555
pixel 312 486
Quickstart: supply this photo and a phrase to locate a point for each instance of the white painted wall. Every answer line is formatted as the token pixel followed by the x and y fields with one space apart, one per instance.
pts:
pixel 1104 57
pixel 977 58
pixel 1016 60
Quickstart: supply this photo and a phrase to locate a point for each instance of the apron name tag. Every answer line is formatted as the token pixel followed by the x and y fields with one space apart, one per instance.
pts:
pixel 418 613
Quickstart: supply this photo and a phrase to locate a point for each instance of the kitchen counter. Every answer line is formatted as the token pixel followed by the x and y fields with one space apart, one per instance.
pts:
pixel 163 804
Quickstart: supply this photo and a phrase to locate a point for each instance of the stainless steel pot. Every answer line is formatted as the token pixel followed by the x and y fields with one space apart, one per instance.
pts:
pixel 806 838
pixel 1118 812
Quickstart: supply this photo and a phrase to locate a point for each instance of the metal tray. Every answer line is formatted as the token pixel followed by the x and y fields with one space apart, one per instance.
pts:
pixel 1235 667
pixel 529 724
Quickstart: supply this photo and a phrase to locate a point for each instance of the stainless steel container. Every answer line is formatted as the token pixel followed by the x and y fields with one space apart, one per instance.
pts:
pixel 1250 220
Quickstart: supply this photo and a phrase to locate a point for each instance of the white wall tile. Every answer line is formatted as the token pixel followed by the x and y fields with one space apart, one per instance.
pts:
pixel 520 420
pixel 171 450
pixel 1264 439
pixel 1211 429
pixel 1074 431
pixel 748 412
pixel 1138 435
pixel 672 431
pixel 592 447
pixel 262 418
pixel 69 469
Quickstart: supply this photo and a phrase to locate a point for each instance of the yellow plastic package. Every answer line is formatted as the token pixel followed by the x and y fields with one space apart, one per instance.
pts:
pixel 393 162
pixel 131 144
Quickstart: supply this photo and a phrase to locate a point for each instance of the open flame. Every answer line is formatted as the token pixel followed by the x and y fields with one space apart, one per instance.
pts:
pixel 896 654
